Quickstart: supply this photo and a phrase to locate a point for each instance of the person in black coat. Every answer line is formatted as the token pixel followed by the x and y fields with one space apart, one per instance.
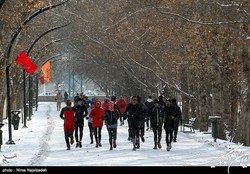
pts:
pixel 133 114
pixel 178 118
pixel 81 113
pixel 142 119
pixel 169 123
pixel 161 101
pixel 156 118
pixel 111 116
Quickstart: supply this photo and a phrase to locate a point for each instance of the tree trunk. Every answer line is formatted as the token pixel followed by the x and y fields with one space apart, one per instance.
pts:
pixel 184 87
pixel 246 114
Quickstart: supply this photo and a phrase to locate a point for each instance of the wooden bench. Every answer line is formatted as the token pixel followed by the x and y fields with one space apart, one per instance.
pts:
pixel 189 124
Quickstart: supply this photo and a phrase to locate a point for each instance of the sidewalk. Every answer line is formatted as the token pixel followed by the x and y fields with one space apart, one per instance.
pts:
pixel 42 144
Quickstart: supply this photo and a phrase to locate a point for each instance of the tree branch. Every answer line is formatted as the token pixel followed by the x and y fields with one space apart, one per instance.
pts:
pixel 26 22
pixel 199 22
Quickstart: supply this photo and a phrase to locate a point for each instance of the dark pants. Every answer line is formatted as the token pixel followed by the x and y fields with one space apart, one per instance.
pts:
pixel 169 135
pixel 135 130
pixel 91 131
pixel 142 128
pixel 98 134
pixel 129 130
pixel 176 127
pixel 157 130
pixel 68 135
pixel 112 135
pixel 148 124
pixel 78 127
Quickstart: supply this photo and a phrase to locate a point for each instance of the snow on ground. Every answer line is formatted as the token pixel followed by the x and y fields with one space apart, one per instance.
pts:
pixel 43 144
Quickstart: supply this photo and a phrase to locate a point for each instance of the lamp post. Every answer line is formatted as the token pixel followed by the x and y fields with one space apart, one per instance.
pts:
pixel 8 65
pixel 30 78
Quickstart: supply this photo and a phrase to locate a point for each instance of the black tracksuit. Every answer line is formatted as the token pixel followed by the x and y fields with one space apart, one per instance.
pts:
pixel 134 115
pixel 81 113
pixel 169 123
pixel 156 118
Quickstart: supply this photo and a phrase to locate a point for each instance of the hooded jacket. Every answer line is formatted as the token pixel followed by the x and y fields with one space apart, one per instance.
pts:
pixel 97 115
pixel 68 115
pixel 122 104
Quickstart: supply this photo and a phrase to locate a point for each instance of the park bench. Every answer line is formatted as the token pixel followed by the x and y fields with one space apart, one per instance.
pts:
pixel 189 124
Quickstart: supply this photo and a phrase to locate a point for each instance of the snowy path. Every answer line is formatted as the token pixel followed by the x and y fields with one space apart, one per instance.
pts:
pixel 44 141
pixel 42 144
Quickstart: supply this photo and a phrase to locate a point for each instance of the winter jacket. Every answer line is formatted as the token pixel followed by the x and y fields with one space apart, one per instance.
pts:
pixel 122 104
pixel 134 113
pixel 111 118
pixel 68 114
pixel 97 115
pixel 144 112
pixel 177 112
pixel 149 104
pixel 169 117
pixel 156 116
pixel 81 113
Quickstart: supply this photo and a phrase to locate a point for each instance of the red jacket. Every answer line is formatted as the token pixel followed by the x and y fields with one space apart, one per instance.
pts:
pixel 105 106
pixel 97 115
pixel 68 115
pixel 121 103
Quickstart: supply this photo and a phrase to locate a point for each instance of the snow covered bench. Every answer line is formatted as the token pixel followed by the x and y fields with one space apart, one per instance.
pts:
pixel 189 124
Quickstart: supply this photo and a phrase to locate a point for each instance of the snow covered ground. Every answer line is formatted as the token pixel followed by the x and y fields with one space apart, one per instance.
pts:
pixel 42 144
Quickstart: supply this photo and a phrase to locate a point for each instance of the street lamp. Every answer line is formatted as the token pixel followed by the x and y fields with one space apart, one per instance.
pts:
pixel 8 65
pixel 30 78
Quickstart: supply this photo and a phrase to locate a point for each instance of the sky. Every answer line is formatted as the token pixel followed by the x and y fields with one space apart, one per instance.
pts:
pixel 42 145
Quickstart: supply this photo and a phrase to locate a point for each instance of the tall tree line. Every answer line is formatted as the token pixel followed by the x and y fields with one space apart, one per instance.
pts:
pixel 196 51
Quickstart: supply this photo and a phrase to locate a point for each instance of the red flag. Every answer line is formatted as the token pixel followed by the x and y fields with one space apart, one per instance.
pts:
pixel 41 80
pixel 26 63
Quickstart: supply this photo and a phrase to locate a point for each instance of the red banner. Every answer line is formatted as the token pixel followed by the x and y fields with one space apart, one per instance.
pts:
pixel 41 80
pixel 26 63
pixel 46 72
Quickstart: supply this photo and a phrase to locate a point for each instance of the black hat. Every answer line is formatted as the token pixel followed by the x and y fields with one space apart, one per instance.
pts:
pixel 173 100
pixel 139 99
pixel 156 101
pixel 113 98
pixel 160 97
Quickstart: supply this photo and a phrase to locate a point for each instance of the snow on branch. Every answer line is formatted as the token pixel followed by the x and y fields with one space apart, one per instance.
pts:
pixel 229 5
pixel 196 21
pixel 154 60
pixel 166 82
pixel 129 72
pixel 128 16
